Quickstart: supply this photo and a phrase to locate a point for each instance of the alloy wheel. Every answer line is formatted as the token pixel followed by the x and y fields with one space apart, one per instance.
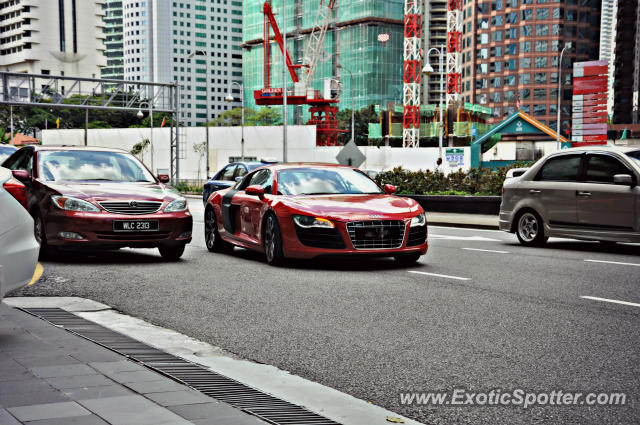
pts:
pixel 210 229
pixel 528 227
pixel 270 239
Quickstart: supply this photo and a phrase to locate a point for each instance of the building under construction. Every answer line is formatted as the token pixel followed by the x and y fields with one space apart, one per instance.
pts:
pixel 351 45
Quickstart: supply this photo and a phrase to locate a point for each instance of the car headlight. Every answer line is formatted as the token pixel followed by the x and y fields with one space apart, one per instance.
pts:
pixel 73 204
pixel 419 220
pixel 308 221
pixel 176 205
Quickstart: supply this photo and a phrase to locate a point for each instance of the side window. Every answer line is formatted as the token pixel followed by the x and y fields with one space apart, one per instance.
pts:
pixel 241 171
pixel 14 160
pixel 602 168
pixel 563 168
pixel 228 173
pixel 261 178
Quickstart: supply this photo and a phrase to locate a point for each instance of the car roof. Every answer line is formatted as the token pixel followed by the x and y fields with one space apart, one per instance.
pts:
pixel 78 148
pixel 622 149
pixel 292 165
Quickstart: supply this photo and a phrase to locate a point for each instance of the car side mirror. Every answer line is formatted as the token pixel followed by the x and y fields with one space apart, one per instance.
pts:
pixel 163 178
pixel 623 179
pixel 20 174
pixel 255 190
pixel 390 189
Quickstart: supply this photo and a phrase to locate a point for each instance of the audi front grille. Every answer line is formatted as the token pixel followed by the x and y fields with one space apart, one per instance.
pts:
pixel 376 234
pixel 131 207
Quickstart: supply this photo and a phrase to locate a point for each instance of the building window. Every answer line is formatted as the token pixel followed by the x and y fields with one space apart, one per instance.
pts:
pixel 539 94
pixel 524 79
pixel 539 110
pixel 524 94
pixel 542 30
pixel 541 46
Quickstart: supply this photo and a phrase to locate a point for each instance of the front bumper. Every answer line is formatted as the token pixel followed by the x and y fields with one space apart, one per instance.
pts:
pixel 294 248
pixel 97 229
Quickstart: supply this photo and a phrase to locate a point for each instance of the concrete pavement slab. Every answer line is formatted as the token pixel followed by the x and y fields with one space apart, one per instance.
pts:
pixel 176 398
pixel 35 412
pixel 7 418
pixel 26 392
pixel 134 376
pixel 78 420
pixel 62 370
pixel 132 410
pixel 215 413
pixel 149 387
pixel 67 382
pixel 105 391
pixel 117 366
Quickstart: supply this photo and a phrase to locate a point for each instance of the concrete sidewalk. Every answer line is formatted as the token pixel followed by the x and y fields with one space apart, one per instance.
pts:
pixel 49 376
pixel 476 221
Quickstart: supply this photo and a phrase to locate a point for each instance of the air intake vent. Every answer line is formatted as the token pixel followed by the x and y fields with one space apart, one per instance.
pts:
pixel 378 234
pixel 132 207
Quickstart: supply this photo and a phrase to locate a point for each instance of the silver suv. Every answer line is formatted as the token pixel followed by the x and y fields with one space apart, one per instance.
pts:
pixel 586 193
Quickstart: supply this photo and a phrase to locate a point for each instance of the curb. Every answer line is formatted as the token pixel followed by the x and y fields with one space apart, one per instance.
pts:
pixel 462 225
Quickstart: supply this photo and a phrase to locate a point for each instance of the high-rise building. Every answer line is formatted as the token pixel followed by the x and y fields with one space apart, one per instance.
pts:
pixel 511 50
pixel 608 42
pixel 52 37
pixel 351 42
pixel 627 64
pixel 113 40
pixel 435 36
pixel 161 35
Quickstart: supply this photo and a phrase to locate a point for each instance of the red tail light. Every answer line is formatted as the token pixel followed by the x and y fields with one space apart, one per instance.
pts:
pixel 503 190
pixel 17 189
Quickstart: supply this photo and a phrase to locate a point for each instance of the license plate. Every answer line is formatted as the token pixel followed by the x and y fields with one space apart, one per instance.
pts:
pixel 135 225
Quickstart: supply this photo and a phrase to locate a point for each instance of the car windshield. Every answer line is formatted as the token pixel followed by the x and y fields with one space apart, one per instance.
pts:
pixel 635 155
pixel 92 166
pixel 325 181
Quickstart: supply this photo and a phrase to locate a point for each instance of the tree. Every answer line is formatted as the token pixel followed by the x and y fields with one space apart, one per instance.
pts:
pixel 139 149
pixel 252 117
pixel 201 150
pixel 362 119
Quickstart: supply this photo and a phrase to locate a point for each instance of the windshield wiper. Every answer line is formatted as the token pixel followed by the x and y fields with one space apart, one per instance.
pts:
pixel 319 193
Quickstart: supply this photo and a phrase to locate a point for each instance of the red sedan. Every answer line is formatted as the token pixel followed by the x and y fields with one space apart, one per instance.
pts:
pixel 88 197
pixel 309 210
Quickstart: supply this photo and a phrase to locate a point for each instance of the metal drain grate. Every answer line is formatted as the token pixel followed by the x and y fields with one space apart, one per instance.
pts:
pixel 264 406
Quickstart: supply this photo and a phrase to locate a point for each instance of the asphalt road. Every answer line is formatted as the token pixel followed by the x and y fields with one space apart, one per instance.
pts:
pixel 478 312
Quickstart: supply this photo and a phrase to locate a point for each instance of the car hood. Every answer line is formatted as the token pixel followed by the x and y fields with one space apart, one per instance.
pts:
pixel 355 207
pixel 101 191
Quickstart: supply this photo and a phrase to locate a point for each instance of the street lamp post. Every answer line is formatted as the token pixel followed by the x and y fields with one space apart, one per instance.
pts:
pixel 428 70
pixel 229 99
pixel 353 128
pixel 566 46
pixel 204 53
pixel 284 81
pixel 140 115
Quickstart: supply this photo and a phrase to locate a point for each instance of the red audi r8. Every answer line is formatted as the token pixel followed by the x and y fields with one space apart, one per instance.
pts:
pixel 309 210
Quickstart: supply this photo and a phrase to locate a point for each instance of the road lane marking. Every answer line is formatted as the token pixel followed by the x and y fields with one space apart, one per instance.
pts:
pixel 610 301
pixel 37 273
pixel 613 262
pixel 486 250
pixel 464 238
pixel 440 275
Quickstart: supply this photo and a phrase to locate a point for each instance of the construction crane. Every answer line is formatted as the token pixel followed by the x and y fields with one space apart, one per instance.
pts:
pixel 323 110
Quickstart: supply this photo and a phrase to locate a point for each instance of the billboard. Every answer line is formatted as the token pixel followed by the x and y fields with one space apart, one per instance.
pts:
pixel 589 106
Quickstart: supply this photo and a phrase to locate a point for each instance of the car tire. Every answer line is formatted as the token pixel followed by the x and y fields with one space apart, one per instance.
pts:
pixel 272 241
pixel 530 229
pixel 40 234
pixel 408 259
pixel 171 252
pixel 212 238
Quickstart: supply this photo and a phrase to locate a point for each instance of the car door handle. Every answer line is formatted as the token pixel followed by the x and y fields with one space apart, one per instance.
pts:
pixel 534 191
pixel 584 194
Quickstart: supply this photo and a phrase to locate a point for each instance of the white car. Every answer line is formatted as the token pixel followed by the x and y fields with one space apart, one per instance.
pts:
pixel 18 247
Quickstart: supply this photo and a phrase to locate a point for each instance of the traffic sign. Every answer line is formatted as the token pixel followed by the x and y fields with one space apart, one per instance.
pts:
pixel 351 155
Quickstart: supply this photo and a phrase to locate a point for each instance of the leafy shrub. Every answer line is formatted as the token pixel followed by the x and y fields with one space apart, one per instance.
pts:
pixel 477 181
